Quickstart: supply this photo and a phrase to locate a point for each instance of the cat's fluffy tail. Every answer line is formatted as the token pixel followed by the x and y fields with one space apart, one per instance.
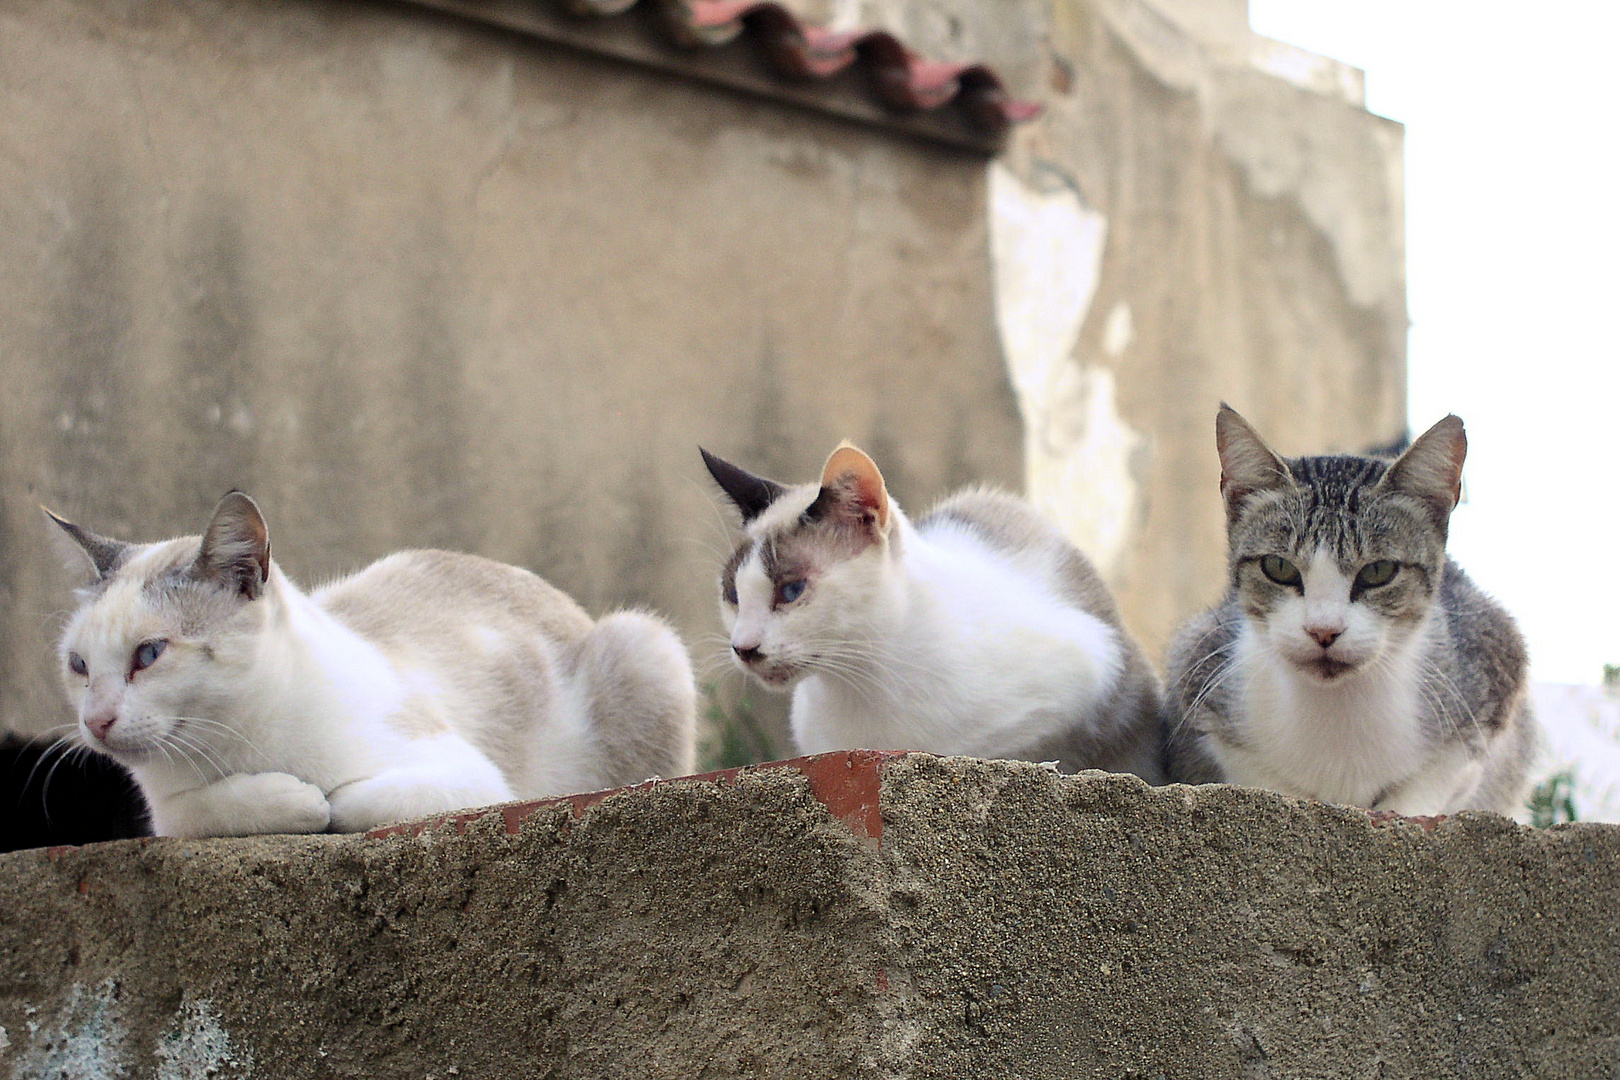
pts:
pixel 635 679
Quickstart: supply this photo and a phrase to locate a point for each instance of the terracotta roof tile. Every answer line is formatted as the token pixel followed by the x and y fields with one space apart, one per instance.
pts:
pixel 965 103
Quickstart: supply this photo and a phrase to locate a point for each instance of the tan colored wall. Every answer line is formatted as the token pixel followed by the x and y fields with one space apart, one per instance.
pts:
pixel 1199 215
pixel 413 282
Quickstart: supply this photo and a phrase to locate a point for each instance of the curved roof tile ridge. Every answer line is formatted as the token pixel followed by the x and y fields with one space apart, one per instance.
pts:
pixel 902 79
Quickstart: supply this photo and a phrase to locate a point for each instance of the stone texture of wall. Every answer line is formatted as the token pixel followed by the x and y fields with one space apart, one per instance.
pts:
pixel 851 915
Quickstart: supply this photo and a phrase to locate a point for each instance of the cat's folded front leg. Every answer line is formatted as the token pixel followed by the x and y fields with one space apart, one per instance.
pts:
pixel 401 794
pixel 243 804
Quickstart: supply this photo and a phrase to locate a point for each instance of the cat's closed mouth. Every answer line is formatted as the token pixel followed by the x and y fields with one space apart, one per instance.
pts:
pixel 1328 668
pixel 773 675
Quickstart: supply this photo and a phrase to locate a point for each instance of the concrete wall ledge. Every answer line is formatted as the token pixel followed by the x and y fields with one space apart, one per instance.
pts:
pixel 850 915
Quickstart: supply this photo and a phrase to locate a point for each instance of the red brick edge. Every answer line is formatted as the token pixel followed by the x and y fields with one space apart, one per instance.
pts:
pixel 847 782
pixel 1426 822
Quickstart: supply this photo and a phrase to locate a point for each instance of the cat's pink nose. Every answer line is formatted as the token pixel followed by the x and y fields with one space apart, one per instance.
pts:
pixel 747 653
pixel 1323 635
pixel 100 725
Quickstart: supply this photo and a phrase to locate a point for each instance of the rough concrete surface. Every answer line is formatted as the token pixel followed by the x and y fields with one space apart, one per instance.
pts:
pixel 997 920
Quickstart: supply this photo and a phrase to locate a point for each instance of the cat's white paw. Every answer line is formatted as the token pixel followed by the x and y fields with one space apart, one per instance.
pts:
pixel 244 804
pixel 380 800
pixel 290 805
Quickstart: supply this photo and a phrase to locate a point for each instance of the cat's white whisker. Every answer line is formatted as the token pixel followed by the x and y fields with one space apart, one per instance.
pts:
pixel 1213 676
pixel 190 751
pixel 216 727
pixel 1449 689
pixel 59 750
pixel 60 744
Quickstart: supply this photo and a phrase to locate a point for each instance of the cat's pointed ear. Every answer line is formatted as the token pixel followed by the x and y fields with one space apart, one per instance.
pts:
pixel 1431 468
pixel 852 490
pixel 235 552
pixel 1248 465
pixel 751 494
pixel 104 553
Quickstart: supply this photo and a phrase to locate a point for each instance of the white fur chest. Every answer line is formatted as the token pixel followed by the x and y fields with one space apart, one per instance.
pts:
pixel 1347 742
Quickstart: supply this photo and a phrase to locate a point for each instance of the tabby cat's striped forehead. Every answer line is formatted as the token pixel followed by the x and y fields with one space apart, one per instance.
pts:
pixel 1337 481
pixel 1336 504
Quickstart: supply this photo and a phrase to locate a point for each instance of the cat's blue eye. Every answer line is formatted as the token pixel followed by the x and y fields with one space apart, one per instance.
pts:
pixel 1280 570
pixel 146 654
pixel 77 665
pixel 1377 573
pixel 789 591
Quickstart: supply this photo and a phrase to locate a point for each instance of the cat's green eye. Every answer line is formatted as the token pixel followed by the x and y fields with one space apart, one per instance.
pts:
pixel 1280 570
pixel 1377 573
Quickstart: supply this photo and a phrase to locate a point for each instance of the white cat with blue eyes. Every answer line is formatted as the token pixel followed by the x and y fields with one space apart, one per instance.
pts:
pixel 427 682
pixel 980 630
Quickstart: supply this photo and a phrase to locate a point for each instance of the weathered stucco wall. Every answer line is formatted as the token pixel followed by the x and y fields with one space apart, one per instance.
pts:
pixel 413 282
pixel 854 916
pixel 1198 215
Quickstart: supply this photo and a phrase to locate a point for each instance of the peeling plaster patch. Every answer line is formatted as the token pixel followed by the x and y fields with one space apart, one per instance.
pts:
pixel 1047 249
pixel 198 1047
pixel 1119 331
pixel 85 1043
pixel 1308 71
pixel 1311 148
pixel 843 15
pixel 1314 151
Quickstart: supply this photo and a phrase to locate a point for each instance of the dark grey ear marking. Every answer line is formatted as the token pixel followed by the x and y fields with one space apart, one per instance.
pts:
pixel 235 552
pixel 835 504
pixel 826 502
pixel 751 494
pixel 105 554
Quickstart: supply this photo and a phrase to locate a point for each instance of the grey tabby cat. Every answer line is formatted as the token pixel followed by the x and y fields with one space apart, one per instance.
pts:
pixel 1351 660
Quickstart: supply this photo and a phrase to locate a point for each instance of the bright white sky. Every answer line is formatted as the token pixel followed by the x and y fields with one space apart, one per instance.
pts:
pixel 1512 117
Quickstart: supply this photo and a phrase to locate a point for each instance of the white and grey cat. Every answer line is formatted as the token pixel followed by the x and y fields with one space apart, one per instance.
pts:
pixel 980 630
pixel 1351 660
pixel 426 682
